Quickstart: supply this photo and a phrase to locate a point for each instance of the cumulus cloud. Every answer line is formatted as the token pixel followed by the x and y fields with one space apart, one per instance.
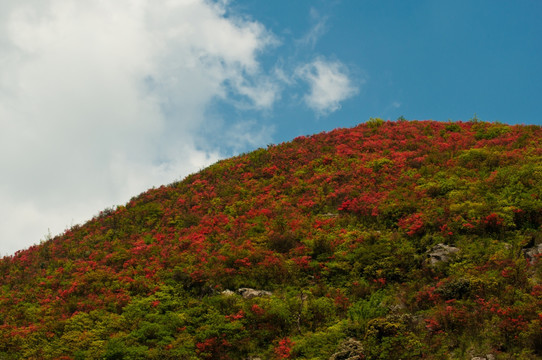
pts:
pixel 100 100
pixel 329 85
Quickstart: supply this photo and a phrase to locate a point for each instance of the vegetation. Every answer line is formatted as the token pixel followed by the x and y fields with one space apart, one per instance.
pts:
pixel 337 226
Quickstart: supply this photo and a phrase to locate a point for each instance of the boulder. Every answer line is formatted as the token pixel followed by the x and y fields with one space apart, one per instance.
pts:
pixel 441 253
pixel 533 253
pixel 249 293
pixel 487 357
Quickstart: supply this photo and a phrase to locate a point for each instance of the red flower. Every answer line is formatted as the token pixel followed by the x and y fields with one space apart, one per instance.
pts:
pixel 284 349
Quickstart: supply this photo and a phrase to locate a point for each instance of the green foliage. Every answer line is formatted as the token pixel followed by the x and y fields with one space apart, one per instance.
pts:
pixel 378 164
pixel 374 123
pixel 489 132
pixel 361 312
pixel 389 338
pixel 453 127
pixel 339 227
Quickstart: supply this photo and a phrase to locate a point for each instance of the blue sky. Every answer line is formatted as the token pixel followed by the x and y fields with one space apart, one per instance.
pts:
pixel 100 101
pixel 418 59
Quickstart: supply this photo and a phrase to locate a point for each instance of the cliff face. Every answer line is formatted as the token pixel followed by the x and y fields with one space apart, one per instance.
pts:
pixel 336 235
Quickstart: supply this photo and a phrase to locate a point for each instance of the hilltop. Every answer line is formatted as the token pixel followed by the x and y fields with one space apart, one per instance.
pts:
pixel 389 240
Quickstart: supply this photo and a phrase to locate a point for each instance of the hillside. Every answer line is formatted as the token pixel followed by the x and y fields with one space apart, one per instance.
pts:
pixel 389 240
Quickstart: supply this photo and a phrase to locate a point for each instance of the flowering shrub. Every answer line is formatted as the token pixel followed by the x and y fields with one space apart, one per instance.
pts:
pixel 412 224
pixel 336 226
pixel 284 349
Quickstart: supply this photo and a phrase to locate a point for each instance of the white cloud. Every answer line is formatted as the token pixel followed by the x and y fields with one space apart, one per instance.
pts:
pixel 329 85
pixel 248 132
pixel 318 29
pixel 100 100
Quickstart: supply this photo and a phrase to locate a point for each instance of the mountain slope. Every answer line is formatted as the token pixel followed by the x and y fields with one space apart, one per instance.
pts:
pixel 415 239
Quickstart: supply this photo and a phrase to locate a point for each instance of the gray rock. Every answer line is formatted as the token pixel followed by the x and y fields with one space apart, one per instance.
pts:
pixel 488 357
pixel 532 252
pixel 350 349
pixel 227 293
pixel 249 293
pixel 441 253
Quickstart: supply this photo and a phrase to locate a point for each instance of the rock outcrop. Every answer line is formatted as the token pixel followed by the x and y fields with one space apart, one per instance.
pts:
pixel 249 293
pixel 533 253
pixel 487 357
pixel 441 253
